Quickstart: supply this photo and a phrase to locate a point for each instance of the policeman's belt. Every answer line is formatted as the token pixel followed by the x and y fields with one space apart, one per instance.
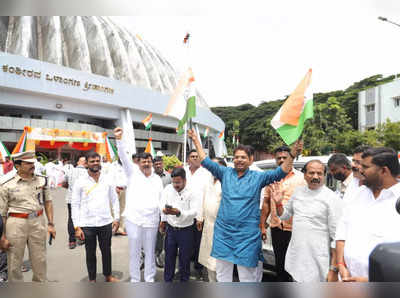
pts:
pixel 27 215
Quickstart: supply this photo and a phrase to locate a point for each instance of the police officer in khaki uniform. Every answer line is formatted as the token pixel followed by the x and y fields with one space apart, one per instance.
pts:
pixel 23 199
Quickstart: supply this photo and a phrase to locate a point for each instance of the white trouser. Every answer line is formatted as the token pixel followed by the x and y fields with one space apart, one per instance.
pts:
pixel 260 271
pixel 225 272
pixel 141 237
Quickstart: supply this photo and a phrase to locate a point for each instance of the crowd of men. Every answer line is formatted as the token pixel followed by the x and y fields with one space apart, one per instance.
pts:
pixel 208 213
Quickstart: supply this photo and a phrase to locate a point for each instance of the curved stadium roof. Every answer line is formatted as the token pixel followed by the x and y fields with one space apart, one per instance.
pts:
pixel 93 44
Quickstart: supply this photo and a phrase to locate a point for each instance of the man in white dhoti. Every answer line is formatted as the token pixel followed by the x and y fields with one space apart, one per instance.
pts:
pixel 315 210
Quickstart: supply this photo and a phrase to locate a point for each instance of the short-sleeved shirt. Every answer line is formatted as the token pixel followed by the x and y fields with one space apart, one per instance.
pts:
pixel 19 195
pixel 288 184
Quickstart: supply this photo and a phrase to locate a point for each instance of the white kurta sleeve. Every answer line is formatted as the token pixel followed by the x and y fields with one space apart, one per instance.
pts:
pixel 334 215
pixel 114 201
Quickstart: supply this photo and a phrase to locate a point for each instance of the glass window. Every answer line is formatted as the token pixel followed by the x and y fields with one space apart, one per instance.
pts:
pixel 370 108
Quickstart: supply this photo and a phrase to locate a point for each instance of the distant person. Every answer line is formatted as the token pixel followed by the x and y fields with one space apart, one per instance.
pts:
pixel 72 175
pixel 91 215
pixel 340 168
pixel 371 217
pixel 311 256
pixel 8 165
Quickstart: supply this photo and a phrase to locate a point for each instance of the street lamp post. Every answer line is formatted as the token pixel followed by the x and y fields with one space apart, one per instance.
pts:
pixel 383 19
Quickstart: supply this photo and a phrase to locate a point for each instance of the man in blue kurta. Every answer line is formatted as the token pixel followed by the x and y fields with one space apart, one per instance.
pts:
pixel 237 238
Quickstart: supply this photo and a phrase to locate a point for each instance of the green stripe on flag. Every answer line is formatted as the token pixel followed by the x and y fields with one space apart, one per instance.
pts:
pixel 190 113
pixel 113 149
pixel 291 133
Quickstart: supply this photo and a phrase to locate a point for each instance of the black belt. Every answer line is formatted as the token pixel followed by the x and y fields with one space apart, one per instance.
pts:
pixel 178 228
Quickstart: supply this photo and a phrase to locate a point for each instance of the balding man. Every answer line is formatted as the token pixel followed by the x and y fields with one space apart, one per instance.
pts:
pixel 315 210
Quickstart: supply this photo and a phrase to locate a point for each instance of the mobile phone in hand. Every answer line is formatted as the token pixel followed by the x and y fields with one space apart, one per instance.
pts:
pixel 168 206
pixel 50 239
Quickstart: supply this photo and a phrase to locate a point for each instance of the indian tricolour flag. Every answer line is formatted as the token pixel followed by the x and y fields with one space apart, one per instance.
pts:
pixel 3 152
pixel 289 121
pixel 148 121
pixel 111 151
pixel 21 145
pixel 205 135
pixel 182 104
pixel 150 148
pixel 222 135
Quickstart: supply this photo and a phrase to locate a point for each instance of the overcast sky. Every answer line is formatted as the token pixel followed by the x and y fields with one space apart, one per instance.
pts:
pixel 260 51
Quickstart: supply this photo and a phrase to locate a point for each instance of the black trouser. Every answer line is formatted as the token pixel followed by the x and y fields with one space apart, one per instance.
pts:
pixel 178 239
pixel 71 230
pixel 3 265
pixel 196 249
pixel 280 243
pixel 104 235
pixel 159 243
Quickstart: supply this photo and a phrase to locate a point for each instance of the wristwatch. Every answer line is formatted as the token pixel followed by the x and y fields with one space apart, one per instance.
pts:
pixel 333 268
pixel 179 214
pixel 50 224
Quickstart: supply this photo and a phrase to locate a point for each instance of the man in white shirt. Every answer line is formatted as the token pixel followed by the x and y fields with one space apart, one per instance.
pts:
pixel 340 168
pixel 315 210
pixel 198 179
pixel 371 218
pixel 142 210
pixel 91 215
pixel 71 176
pixel 179 208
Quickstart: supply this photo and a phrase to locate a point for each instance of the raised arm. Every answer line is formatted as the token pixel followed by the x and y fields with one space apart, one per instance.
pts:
pixel 126 161
pixel 196 142
pixel 215 169
pixel 295 149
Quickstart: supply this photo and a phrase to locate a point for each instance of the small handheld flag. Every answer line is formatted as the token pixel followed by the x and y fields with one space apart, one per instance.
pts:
pixel 186 39
pixel 205 135
pixel 150 148
pixel 222 135
pixel 148 121
pixel 111 151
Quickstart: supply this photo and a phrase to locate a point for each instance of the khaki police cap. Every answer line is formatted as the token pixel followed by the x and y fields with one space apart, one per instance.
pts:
pixel 28 156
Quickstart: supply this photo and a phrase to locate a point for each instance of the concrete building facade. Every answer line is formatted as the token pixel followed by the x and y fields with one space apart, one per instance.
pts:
pixel 86 73
pixel 378 104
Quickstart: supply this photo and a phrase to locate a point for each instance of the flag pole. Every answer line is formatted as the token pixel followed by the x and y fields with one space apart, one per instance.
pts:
pixel 184 144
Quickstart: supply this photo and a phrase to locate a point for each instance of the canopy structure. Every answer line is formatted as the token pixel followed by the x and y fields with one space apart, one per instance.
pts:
pixel 48 138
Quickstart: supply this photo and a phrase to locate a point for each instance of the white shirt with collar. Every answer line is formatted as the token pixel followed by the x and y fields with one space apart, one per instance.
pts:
pixel 143 194
pixel 186 202
pixel 367 222
pixel 90 203
pixel 71 177
pixel 198 182
pixel 352 190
